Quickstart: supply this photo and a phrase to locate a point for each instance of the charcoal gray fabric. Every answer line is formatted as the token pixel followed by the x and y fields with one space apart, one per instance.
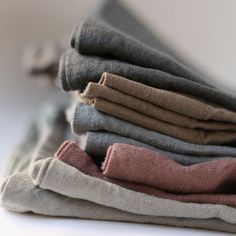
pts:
pixel 76 70
pixel 86 118
pixel 97 143
pixel 117 15
pixel 88 38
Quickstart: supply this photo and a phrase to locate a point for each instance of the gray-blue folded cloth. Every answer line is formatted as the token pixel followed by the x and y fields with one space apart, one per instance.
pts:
pixel 97 143
pixel 86 118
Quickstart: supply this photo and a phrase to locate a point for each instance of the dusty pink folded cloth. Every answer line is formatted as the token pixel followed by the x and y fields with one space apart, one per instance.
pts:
pixel 71 154
pixel 141 165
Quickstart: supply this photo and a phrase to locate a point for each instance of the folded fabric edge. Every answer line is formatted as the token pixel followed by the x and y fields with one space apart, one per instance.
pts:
pixel 62 72
pixel 91 183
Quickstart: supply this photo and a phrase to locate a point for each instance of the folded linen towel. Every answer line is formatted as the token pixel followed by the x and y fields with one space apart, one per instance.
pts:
pixel 59 177
pixel 18 193
pixel 75 72
pixel 21 195
pixel 97 143
pixel 71 154
pixel 119 105
pixel 117 14
pixel 189 135
pixel 45 183
pixel 100 121
pixel 140 165
pixel 88 38
pixel 174 108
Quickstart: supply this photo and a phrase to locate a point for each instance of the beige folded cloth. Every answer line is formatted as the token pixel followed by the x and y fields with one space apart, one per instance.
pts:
pixel 115 95
pixel 21 195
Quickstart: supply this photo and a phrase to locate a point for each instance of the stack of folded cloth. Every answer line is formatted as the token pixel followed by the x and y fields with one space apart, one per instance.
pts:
pixel 152 141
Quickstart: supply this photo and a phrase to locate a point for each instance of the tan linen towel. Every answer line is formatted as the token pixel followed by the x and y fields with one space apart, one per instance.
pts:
pixel 121 105
pixel 102 91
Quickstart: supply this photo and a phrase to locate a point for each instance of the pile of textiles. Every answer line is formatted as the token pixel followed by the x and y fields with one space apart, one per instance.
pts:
pixel 152 141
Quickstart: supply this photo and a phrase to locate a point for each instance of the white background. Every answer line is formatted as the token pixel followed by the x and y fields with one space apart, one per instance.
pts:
pixel 203 31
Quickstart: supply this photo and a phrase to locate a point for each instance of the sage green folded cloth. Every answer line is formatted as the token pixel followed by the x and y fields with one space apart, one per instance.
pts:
pixel 37 182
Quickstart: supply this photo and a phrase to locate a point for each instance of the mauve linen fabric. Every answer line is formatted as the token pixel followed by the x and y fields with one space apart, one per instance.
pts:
pixel 97 143
pixel 71 154
pixel 21 190
pixel 100 121
pixel 59 177
pixel 140 165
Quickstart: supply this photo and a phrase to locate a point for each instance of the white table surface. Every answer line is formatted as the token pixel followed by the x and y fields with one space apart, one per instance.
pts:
pixel 203 31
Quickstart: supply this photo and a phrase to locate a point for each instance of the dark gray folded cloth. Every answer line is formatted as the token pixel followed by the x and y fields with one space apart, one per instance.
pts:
pixel 76 70
pixel 114 41
pixel 100 38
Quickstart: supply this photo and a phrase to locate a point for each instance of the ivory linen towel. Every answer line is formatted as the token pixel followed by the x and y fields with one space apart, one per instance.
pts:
pixel 71 154
pixel 140 165
pixel 21 195
pixel 99 121
pixel 59 177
